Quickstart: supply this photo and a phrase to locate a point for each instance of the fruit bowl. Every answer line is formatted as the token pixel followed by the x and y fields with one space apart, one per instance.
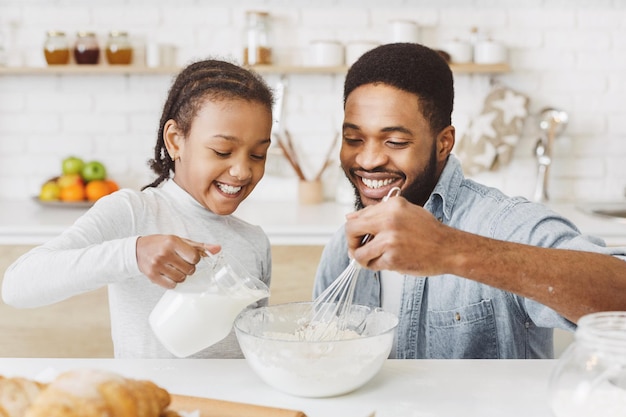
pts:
pixel 79 185
pixel 63 204
pixel 268 337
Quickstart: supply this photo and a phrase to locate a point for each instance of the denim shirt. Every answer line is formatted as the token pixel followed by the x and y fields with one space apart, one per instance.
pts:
pixel 448 316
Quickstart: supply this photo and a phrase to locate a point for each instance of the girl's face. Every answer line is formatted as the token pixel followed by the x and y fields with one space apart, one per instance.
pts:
pixel 223 158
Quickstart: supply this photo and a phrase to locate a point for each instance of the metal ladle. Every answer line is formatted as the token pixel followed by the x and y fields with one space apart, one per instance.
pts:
pixel 552 123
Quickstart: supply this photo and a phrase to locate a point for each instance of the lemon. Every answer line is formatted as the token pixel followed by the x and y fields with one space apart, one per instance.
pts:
pixel 50 191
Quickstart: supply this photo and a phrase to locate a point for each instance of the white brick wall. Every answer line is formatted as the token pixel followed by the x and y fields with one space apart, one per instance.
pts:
pixel 570 55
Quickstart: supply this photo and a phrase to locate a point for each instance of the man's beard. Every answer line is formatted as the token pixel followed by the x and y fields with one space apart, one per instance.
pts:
pixel 416 192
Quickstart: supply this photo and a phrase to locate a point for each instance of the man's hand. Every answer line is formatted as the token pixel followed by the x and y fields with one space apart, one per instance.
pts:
pixel 405 238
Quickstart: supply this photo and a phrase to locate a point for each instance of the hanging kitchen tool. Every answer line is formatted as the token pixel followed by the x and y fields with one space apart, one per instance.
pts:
pixel 552 123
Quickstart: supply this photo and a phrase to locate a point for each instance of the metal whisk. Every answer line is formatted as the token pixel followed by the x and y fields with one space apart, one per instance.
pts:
pixel 330 312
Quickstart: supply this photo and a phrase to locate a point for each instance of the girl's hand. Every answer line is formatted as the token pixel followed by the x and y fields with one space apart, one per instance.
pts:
pixel 167 259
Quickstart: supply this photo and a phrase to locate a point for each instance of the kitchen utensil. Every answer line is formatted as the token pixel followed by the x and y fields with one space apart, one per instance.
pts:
pixel 269 340
pixel 331 309
pixel 208 407
pixel 327 158
pixel 200 311
pixel 552 123
pixel 555 120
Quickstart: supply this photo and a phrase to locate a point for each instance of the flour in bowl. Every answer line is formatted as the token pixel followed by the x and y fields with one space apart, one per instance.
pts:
pixel 314 332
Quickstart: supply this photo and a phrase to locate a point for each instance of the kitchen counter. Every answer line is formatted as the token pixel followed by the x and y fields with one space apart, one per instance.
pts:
pixel 286 223
pixel 481 388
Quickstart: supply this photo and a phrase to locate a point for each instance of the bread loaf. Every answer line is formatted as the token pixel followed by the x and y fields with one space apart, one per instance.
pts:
pixel 83 393
pixel 16 395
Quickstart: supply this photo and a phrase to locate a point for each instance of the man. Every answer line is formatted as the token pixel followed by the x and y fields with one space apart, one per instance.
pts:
pixel 470 272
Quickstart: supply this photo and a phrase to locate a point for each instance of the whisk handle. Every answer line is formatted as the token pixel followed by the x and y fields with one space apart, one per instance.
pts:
pixel 393 192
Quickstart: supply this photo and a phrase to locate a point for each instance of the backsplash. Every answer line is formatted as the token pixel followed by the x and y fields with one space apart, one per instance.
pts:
pixel 565 54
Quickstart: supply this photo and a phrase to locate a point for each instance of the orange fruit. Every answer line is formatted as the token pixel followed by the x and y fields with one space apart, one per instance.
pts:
pixel 73 192
pixel 96 189
pixel 113 186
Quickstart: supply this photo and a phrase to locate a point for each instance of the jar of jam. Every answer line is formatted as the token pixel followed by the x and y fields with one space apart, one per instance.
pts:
pixel 86 48
pixel 56 48
pixel 118 49
pixel 257 49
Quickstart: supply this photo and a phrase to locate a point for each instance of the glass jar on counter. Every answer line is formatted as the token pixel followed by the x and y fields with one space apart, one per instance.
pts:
pixel 86 48
pixel 56 48
pixel 119 50
pixel 257 48
pixel 590 377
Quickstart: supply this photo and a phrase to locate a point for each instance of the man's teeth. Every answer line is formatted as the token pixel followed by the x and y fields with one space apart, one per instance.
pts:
pixel 376 183
pixel 228 189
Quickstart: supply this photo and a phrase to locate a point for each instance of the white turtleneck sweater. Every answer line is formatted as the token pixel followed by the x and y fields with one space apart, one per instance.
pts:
pixel 99 249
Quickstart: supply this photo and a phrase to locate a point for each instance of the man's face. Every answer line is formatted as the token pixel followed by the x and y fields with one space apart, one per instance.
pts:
pixel 388 143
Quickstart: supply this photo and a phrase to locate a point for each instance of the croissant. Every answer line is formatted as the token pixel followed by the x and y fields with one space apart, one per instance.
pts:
pixel 16 395
pixel 95 393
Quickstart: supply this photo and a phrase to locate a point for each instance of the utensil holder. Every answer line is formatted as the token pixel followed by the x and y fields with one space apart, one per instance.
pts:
pixel 310 192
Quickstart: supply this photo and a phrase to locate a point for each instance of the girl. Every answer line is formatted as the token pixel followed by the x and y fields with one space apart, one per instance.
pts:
pixel 210 153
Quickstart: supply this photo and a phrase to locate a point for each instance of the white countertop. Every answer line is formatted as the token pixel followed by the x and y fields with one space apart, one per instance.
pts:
pixel 286 223
pixel 403 388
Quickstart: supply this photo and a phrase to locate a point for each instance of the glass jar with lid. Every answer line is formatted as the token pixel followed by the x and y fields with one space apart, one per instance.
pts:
pixel 257 48
pixel 590 377
pixel 56 48
pixel 86 48
pixel 119 50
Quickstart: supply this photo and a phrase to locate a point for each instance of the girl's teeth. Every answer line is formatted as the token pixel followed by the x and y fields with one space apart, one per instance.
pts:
pixel 228 189
pixel 376 183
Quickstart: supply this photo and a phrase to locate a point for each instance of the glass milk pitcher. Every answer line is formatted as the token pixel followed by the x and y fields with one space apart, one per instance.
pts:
pixel 590 377
pixel 200 311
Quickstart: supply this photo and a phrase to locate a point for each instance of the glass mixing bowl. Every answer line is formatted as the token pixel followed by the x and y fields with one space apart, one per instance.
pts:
pixel 269 338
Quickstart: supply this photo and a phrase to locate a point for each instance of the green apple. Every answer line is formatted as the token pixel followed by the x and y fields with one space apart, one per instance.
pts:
pixel 72 165
pixel 50 191
pixel 93 171
pixel 69 179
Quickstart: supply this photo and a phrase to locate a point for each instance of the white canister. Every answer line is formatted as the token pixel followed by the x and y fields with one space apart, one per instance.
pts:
pixel 161 55
pixel 460 51
pixel 489 52
pixel 326 53
pixel 401 30
pixel 153 57
pixel 355 49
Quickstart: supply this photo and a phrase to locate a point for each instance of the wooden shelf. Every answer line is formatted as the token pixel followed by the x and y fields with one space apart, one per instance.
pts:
pixel 102 69
pixel 88 70
pixel 457 68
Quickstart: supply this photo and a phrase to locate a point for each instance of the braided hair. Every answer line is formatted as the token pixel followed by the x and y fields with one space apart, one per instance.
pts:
pixel 210 79
pixel 412 68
